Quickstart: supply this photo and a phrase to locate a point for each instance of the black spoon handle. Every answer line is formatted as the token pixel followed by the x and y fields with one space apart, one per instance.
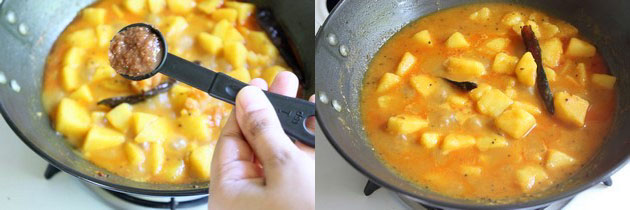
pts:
pixel 292 112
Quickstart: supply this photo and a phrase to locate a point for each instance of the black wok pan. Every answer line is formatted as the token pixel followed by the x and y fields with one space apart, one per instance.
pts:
pixel 23 56
pixel 354 32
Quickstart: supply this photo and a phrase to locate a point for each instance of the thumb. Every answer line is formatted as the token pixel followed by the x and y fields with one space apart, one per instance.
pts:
pixel 262 129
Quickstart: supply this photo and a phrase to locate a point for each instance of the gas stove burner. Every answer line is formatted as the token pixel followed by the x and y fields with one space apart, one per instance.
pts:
pixel 128 199
pixel 371 187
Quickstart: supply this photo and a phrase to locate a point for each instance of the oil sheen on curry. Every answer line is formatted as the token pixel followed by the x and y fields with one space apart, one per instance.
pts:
pixel 498 141
pixel 166 131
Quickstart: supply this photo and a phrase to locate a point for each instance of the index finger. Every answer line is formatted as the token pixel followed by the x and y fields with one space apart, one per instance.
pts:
pixel 261 127
pixel 233 157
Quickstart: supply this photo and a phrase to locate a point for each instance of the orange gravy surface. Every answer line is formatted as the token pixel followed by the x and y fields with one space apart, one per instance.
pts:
pixel 474 171
pixel 222 37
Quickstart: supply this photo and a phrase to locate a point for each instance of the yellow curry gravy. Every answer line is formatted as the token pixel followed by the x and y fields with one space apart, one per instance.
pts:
pixel 498 141
pixel 168 138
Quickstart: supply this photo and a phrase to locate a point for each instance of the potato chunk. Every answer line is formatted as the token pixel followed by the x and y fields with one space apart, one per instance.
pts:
pixel 481 15
pixel 551 51
pixel 528 176
pixel 269 74
pixel 235 53
pixel 149 127
pixel 221 28
pixel 260 43
pixel 580 74
pixel 196 127
pixel 178 95
pixel 94 16
pixel 548 30
pixel 240 74
pixel 141 120
pixel 510 92
pixel 210 43
pixel 156 158
pixel 504 63
pixel 406 62
pixel 557 159
pixel 491 141
pixel 134 6
pixel 519 26
pixel 535 28
pixel 425 85
pixel 232 34
pixel 244 9
pixel 423 38
pixel 209 6
pixel 135 154
pixel 604 81
pixel 102 138
pixel 154 132
pixel 74 57
pixel 388 81
pixel 97 118
pixel 465 67
pixel 104 34
pixel 454 142
pixel 120 116
pixel 457 101
pixel 550 74
pixel 72 120
pixel 180 6
pixel 478 92
pixel 516 122
pixel 117 11
pixel 497 44
pixel 406 124
pixel 384 101
pixel 173 169
pixel 579 48
pixel 532 109
pixel 526 70
pixel 570 108
pixel 200 160
pixel 83 94
pixel 174 26
pixel 457 40
pixel 493 103
pixel 70 78
pixel 156 6
pixel 512 18
pixel 228 14
pixel 430 139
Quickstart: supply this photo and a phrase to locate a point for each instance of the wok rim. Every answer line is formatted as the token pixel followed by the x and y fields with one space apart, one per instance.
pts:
pixel 93 180
pixel 191 191
pixel 533 203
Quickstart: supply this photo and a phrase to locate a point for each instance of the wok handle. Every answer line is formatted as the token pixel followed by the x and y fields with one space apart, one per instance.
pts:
pixel 292 112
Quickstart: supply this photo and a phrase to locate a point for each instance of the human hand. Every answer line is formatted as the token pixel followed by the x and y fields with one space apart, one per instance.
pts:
pixel 255 164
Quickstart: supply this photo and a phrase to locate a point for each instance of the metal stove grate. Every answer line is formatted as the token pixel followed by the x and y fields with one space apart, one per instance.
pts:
pixel 172 204
pixel 371 187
